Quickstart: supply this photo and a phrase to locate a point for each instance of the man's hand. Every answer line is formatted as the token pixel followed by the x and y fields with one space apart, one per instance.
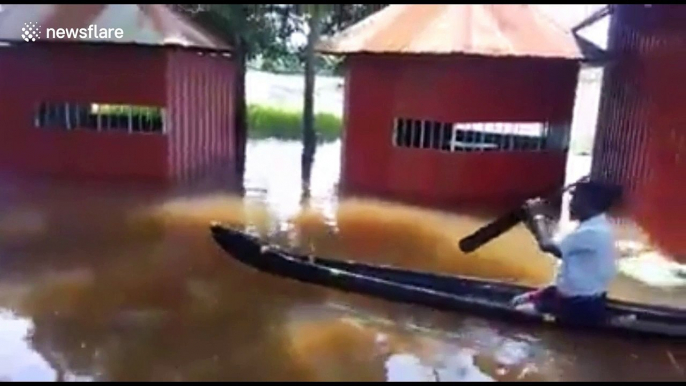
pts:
pixel 535 210
pixel 540 226
pixel 536 206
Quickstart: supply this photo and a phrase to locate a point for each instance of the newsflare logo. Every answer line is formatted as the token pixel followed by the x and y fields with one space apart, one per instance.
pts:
pixel 30 32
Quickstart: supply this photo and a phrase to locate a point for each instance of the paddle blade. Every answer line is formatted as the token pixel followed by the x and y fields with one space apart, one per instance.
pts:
pixel 492 230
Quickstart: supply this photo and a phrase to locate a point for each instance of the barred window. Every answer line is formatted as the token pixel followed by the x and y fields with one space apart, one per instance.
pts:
pixel 479 136
pixel 99 117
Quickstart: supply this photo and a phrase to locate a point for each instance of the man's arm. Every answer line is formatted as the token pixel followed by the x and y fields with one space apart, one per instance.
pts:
pixel 538 224
pixel 539 227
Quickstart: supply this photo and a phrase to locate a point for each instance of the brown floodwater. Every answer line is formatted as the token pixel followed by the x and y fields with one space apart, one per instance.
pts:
pixel 105 281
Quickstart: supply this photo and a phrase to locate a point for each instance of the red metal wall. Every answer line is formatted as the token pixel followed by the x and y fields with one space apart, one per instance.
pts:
pixel 622 138
pixel 199 122
pixel 378 89
pixel 641 137
pixel 34 73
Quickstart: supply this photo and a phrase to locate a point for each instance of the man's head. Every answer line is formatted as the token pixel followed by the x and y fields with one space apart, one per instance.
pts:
pixel 591 198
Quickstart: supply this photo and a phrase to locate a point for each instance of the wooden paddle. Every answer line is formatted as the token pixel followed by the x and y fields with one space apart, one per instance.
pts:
pixel 502 224
pixel 492 230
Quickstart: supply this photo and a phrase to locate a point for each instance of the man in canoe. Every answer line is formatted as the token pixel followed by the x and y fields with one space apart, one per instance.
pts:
pixel 587 256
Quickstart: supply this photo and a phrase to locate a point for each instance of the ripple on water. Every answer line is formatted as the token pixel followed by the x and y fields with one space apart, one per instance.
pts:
pixel 324 337
pixel 146 266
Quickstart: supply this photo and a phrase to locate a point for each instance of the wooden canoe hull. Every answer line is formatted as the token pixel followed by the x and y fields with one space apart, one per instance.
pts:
pixel 443 292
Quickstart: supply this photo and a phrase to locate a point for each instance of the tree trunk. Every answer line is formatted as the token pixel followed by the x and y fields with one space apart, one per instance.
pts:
pixel 309 135
pixel 240 108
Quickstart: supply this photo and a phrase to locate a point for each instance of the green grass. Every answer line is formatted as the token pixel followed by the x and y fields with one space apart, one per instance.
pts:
pixel 263 121
pixel 105 109
pixel 280 123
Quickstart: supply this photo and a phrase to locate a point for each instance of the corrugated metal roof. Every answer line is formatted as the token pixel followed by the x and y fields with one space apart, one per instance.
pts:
pixel 440 29
pixel 151 24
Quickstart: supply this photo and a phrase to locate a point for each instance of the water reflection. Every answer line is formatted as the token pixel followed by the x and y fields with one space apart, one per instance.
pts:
pixel 18 362
pixel 111 282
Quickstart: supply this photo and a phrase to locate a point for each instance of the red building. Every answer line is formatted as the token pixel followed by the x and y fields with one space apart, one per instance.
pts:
pixel 641 138
pixel 453 104
pixel 154 104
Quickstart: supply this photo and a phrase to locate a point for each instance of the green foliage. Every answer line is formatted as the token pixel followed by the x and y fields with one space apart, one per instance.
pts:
pixel 258 29
pixel 264 30
pixel 342 16
pixel 333 19
pixel 275 122
pixel 293 64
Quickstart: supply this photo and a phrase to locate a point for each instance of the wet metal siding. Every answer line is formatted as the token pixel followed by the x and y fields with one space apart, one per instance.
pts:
pixel 641 139
pixel 199 122
pixel 453 89
pixel 35 73
pixel 193 88
pixel 622 136
pixel 452 64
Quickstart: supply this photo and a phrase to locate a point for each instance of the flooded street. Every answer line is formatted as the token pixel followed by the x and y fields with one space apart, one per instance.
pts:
pixel 110 282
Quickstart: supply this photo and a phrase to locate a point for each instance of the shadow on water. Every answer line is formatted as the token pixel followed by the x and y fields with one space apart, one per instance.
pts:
pixel 119 282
